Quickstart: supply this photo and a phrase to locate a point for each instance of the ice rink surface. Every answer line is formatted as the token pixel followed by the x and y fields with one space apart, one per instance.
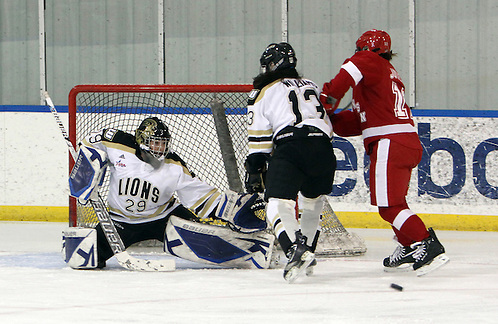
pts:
pixel 37 287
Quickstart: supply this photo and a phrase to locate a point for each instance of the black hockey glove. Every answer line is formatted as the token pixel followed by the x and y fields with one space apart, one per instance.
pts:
pixel 255 182
pixel 256 172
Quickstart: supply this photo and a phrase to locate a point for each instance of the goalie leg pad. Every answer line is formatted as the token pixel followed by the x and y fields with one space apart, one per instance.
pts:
pixel 244 211
pixel 79 247
pixel 87 174
pixel 217 245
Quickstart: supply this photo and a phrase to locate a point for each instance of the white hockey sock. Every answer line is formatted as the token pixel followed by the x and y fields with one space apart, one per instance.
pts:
pixel 283 210
pixel 310 216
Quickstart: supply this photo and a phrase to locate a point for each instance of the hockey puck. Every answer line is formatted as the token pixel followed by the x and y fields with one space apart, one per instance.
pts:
pixel 397 287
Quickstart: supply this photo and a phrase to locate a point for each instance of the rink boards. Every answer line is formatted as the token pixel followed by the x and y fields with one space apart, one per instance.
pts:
pixel 454 187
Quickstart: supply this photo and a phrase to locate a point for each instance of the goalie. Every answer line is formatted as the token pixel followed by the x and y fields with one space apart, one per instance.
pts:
pixel 153 195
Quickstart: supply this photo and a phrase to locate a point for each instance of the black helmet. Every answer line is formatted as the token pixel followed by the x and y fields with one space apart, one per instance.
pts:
pixel 277 57
pixel 153 137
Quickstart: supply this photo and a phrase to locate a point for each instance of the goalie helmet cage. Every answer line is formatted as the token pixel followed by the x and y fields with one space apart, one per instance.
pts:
pixel 213 144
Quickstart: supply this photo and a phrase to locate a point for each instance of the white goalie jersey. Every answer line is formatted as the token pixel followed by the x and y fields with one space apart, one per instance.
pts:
pixel 140 193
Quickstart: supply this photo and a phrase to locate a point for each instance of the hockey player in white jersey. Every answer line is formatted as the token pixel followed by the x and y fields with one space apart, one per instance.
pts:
pixel 153 195
pixel 290 133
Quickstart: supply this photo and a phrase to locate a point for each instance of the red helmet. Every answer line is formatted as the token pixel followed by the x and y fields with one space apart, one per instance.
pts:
pixel 374 40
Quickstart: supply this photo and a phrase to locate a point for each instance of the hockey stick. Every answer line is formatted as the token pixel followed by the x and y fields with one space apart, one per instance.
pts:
pixel 226 145
pixel 123 257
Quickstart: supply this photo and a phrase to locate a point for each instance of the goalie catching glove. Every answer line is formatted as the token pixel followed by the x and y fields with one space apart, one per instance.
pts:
pixel 244 212
pixel 87 174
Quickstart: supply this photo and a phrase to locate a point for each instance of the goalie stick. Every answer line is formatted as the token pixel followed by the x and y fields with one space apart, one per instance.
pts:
pixel 123 257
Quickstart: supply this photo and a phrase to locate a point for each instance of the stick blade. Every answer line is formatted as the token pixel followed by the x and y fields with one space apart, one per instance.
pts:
pixel 131 263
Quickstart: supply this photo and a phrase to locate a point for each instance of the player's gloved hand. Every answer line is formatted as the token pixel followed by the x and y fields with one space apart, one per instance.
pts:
pixel 324 101
pixel 326 98
pixel 254 182
pixel 327 89
pixel 328 102
pixel 256 171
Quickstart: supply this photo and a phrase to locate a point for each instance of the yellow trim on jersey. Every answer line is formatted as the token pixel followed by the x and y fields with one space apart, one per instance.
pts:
pixel 279 228
pixel 185 169
pixel 212 195
pixel 86 143
pixel 117 146
pixel 262 92
pixel 261 146
pixel 208 205
pixel 202 199
pixel 265 132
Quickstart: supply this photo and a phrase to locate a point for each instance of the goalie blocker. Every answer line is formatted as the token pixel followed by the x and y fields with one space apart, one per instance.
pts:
pixel 87 174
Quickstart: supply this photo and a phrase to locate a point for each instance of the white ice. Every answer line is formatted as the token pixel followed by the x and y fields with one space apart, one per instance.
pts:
pixel 37 287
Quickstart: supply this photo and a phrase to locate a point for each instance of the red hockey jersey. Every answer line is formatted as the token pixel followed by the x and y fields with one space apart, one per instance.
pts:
pixel 379 107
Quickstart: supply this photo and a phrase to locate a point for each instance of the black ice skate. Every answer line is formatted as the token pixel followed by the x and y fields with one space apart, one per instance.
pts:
pixel 401 260
pixel 300 257
pixel 429 254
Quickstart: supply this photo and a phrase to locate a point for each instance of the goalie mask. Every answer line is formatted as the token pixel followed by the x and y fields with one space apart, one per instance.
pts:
pixel 278 57
pixel 153 137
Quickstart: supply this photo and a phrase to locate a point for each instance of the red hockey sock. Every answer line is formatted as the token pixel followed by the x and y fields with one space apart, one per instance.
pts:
pixel 407 226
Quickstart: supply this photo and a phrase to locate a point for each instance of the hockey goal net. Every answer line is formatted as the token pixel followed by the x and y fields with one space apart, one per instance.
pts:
pixel 208 129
